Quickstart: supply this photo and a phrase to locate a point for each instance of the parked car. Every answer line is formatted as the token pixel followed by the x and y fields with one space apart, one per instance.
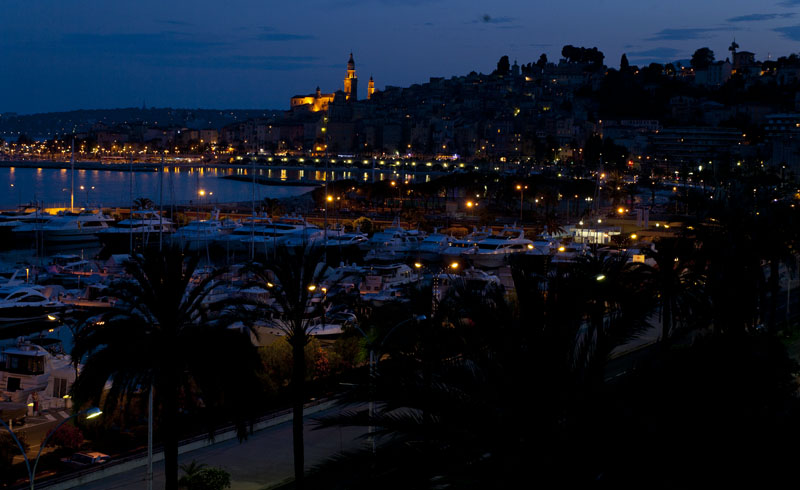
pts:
pixel 85 459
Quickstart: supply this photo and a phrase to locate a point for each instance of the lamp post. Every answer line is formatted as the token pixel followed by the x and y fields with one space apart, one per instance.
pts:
pixel 521 188
pixel 373 366
pixel 87 189
pixel 90 414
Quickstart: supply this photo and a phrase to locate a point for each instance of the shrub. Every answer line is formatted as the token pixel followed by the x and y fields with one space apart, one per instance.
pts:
pixel 364 224
pixel 67 436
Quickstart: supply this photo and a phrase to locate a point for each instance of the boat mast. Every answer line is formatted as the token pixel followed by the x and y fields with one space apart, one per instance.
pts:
pixel 72 178
pixel 130 217
pixel 253 223
pixel 161 204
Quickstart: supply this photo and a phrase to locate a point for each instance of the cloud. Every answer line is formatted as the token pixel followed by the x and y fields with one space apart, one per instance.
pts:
pixel 488 19
pixel 165 42
pixel 272 34
pixel 789 3
pixel 688 33
pixel 760 17
pixel 174 22
pixel 265 63
pixel 789 32
pixel 659 53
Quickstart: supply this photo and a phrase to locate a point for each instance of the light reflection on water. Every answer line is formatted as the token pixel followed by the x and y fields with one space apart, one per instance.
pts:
pixel 114 188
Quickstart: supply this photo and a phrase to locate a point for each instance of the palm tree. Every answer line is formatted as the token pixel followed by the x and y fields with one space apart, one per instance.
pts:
pixel 293 278
pixel 143 203
pixel 676 282
pixel 165 334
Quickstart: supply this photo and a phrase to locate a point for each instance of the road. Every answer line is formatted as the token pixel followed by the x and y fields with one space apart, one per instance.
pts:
pixel 36 428
pixel 263 460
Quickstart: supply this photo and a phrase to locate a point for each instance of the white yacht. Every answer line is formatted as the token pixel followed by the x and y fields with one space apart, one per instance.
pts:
pixel 472 279
pixel 431 247
pixel 142 228
pixel 27 304
pixel 39 366
pixel 341 238
pixel 461 246
pixel 493 251
pixel 198 235
pixel 20 230
pixel 74 227
pixel 12 219
pixel 241 238
pixel 387 282
pixel 393 244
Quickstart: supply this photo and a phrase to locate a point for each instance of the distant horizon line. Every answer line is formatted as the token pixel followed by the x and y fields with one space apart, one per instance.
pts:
pixel 2 113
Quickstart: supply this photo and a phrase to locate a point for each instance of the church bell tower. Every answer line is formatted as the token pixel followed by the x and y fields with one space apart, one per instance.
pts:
pixel 370 88
pixel 351 81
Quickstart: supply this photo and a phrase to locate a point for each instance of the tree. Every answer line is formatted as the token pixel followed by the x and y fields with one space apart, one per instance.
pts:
pixel 199 476
pixel 624 66
pixel 676 284
pixel 542 63
pixel 364 224
pixel 503 66
pixel 293 278
pixel 702 58
pixel 165 334
pixel 143 203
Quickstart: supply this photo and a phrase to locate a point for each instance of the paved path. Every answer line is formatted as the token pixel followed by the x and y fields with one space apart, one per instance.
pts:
pixel 36 428
pixel 263 460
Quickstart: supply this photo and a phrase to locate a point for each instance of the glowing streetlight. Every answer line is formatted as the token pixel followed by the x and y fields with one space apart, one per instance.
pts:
pixel 312 287
pixel 521 188
pixel 454 265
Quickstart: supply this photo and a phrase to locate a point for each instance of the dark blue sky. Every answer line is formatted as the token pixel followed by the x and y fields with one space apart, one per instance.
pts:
pixel 71 54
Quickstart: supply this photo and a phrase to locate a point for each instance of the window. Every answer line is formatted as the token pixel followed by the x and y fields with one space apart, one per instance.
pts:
pixel 59 387
pixel 13 384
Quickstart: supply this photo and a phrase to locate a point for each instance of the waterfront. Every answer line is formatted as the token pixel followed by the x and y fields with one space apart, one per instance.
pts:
pixel 113 188
pixel 182 185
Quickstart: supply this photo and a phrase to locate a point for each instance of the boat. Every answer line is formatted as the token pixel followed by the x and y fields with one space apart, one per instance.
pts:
pixel 74 227
pixel 141 229
pixel 383 283
pixel 461 246
pixel 27 304
pixel 431 247
pixel 9 220
pixel 21 230
pixel 341 238
pixel 393 244
pixel 200 234
pixel 294 231
pixel 36 366
pixel 240 239
pixel 471 279
pixel 493 251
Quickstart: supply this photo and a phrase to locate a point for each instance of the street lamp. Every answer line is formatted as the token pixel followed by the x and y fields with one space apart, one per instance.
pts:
pixel 90 414
pixel 521 188
pixel 373 364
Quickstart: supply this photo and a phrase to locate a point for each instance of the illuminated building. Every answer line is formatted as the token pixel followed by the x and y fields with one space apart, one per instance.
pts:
pixel 351 81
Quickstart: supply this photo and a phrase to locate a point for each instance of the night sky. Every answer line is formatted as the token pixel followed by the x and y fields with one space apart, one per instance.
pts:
pixel 72 54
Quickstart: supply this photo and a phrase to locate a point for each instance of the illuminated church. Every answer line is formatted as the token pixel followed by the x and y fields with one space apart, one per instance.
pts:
pixel 319 102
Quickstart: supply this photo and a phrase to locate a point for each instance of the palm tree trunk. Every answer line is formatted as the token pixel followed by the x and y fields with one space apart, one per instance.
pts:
pixel 774 291
pixel 298 397
pixel 170 436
